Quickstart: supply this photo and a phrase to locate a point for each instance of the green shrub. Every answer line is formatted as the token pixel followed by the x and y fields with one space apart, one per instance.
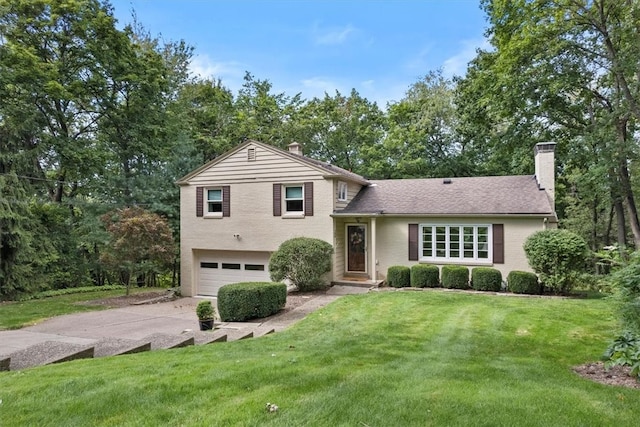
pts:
pixel 399 276
pixel 624 351
pixel 425 276
pixel 486 279
pixel 558 256
pixel 455 277
pixel 238 302
pixel 626 295
pixel 205 310
pixel 303 261
pixel 523 282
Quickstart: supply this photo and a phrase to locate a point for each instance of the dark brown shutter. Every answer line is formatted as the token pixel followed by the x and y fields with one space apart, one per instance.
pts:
pixel 277 199
pixel 498 243
pixel 199 201
pixel 413 242
pixel 308 198
pixel 226 200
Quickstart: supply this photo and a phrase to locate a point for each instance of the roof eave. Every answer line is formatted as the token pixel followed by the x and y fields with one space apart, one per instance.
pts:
pixel 550 215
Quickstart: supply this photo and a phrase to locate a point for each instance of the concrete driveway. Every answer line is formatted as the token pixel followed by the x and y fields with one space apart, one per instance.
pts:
pixel 139 321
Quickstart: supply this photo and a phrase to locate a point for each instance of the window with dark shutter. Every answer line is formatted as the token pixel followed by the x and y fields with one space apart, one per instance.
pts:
pixel 199 201
pixel 308 198
pixel 498 243
pixel 277 199
pixel 413 242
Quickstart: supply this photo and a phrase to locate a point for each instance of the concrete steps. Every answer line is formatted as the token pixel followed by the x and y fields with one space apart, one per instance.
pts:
pixel 49 352
pixel 117 346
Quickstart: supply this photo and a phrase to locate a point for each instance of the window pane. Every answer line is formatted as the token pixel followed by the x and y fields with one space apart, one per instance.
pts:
pixel 214 195
pixel 441 242
pixel 294 205
pixel 468 242
pixel 254 267
pixel 209 265
pixel 230 266
pixel 483 242
pixel 427 242
pixel 293 192
pixel 215 207
pixel 454 242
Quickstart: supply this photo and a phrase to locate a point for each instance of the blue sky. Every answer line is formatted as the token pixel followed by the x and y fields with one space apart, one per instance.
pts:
pixel 312 47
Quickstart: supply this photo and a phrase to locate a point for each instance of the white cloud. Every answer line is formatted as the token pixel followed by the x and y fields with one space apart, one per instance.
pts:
pixel 230 72
pixel 333 36
pixel 457 64
pixel 316 87
pixel 421 61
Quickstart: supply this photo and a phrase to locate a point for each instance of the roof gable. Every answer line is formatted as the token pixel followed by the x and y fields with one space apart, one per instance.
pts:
pixel 494 195
pixel 326 169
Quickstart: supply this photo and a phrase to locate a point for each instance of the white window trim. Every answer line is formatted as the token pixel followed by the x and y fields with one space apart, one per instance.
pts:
pixel 285 212
pixel 460 259
pixel 208 214
pixel 343 191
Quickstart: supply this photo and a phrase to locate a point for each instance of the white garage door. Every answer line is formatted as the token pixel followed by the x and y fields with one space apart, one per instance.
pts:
pixel 221 268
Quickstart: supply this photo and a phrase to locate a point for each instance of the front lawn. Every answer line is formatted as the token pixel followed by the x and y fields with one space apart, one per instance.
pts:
pixel 382 359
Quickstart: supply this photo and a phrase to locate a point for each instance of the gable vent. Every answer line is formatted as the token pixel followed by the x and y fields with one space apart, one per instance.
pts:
pixel 251 154
pixel 446 181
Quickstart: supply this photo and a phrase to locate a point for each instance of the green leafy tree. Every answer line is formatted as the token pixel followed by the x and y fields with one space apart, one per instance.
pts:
pixel 565 71
pixel 58 59
pixel 265 116
pixel 210 115
pixel 343 130
pixel 422 140
pixel 141 245
pixel 303 261
pixel 557 256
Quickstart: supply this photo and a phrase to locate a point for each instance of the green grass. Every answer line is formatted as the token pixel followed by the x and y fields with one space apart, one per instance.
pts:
pixel 15 315
pixel 383 359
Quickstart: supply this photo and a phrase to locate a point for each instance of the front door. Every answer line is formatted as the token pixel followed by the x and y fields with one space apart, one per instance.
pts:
pixel 356 242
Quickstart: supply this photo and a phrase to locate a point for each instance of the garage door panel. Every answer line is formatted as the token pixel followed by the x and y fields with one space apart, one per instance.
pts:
pixel 220 268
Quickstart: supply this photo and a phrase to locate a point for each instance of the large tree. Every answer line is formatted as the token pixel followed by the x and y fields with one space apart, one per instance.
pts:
pixel 343 130
pixel 563 70
pixel 422 140
pixel 57 59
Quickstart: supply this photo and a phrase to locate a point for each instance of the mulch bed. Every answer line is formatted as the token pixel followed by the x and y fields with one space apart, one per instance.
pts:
pixel 616 375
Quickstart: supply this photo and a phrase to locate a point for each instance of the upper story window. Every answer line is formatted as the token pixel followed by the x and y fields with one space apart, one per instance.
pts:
pixel 342 191
pixel 462 243
pixel 214 201
pixel 294 199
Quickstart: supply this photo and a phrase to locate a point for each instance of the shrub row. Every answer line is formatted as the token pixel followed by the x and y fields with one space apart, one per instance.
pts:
pixel 238 302
pixel 457 277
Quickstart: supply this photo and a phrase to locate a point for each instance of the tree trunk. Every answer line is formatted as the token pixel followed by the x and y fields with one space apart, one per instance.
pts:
pixel 625 184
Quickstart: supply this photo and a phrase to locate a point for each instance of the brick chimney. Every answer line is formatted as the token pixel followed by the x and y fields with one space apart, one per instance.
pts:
pixel 295 148
pixel 546 168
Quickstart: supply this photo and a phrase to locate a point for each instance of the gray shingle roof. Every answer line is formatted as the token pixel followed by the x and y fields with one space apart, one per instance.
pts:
pixel 463 196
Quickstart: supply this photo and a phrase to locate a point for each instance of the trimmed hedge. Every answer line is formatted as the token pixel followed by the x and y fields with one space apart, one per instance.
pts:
pixel 399 276
pixel 455 277
pixel 238 302
pixel 425 276
pixel 486 279
pixel 523 282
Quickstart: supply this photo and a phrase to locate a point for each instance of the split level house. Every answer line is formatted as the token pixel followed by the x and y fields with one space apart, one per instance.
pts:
pixel 236 210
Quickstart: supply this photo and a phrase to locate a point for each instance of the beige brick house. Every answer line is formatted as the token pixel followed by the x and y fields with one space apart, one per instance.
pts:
pixel 237 209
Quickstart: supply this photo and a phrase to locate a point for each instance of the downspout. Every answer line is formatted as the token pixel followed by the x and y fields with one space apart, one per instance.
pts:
pixel 374 261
